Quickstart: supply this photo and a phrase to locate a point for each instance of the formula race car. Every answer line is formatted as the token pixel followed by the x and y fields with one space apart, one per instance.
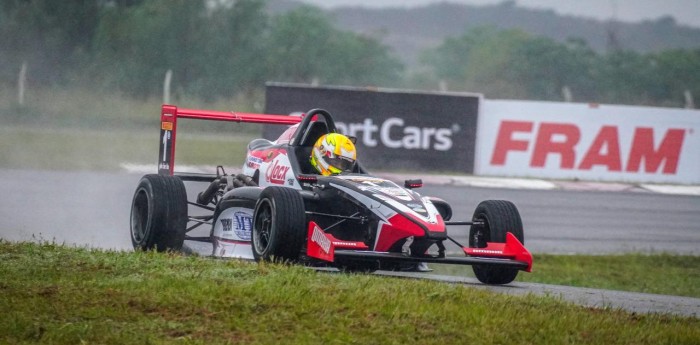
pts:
pixel 280 209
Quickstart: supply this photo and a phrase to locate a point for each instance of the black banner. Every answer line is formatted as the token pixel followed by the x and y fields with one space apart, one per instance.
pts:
pixel 395 129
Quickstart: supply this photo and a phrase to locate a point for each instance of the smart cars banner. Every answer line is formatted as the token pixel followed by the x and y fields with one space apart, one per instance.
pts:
pixel 395 129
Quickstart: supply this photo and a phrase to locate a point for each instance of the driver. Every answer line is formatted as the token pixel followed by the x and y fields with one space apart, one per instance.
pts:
pixel 333 154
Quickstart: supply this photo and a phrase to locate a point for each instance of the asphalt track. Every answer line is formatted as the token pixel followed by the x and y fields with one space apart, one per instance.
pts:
pixel 91 209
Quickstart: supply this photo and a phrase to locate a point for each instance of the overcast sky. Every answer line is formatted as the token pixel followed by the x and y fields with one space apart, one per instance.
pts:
pixel 686 12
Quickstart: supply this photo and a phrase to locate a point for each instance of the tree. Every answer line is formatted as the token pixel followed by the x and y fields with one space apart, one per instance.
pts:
pixel 483 60
pixel 136 45
pixel 303 45
pixel 624 77
pixel 543 67
pixel 676 71
pixel 54 37
pixel 234 49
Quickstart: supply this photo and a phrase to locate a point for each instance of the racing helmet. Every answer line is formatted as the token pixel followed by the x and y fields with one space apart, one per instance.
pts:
pixel 333 154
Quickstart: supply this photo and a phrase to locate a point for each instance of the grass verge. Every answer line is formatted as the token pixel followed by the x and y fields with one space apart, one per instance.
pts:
pixel 53 294
pixel 81 108
pixel 665 274
pixel 72 149
pixel 80 129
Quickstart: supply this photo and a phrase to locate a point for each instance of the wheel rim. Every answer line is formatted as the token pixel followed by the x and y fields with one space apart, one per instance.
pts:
pixel 139 217
pixel 262 231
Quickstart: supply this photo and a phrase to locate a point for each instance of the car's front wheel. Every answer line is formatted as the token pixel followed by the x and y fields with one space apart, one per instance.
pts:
pixel 496 218
pixel 279 225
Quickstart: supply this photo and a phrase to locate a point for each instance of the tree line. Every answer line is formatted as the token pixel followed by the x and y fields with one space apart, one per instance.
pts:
pixel 222 48
pixel 514 65
pixel 215 48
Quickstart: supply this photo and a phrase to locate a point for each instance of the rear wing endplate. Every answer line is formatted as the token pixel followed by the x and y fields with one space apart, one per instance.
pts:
pixel 168 128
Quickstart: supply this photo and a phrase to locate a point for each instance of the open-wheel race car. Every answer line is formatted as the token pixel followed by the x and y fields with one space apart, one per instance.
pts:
pixel 280 208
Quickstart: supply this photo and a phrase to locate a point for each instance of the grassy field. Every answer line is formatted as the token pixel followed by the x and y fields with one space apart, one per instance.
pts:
pixel 665 274
pixel 90 149
pixel 52 294
pixel 86 129
pixel 79 108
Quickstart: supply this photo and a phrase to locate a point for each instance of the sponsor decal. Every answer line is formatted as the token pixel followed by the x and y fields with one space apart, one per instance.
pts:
pixel 394 133
pixel 395 192
pixel 226 224
pixel 286 137
pixel 168 126
pixel 164 166
pixel 276 173
pixel 485 251
pixel 362 179
pixel 563 140
pixel 166 139
pixel 244 225
pixel 254 162
pixel 319 238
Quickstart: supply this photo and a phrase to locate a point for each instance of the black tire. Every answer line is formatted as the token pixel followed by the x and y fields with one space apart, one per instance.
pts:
pixel 159 213
pixel 499 217
pixel 279 225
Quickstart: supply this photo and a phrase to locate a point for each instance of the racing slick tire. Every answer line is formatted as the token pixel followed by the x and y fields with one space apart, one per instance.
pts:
pixel 159 213
pixel 279 225
pixel 499 217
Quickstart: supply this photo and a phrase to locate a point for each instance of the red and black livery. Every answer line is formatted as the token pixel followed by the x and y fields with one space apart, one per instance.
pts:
pixel 279 208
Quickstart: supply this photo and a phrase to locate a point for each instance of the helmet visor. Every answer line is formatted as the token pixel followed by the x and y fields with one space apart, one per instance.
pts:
pixel 342 163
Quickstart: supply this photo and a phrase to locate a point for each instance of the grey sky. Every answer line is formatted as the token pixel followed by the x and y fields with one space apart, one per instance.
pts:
pixel 686 12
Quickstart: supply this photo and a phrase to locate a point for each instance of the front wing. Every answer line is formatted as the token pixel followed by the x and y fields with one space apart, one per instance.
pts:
pixel 325 247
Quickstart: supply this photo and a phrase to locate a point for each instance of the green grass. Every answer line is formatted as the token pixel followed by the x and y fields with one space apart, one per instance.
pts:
pixel 660 273
pixel 58 295
pixel 81 108
pixel 81 129
pixel 72 149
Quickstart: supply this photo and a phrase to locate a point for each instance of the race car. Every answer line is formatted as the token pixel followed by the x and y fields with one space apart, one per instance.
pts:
pixel 280 209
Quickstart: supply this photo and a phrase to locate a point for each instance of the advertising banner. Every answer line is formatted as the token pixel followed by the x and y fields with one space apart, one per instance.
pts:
pixel 395 129
pixel 588 142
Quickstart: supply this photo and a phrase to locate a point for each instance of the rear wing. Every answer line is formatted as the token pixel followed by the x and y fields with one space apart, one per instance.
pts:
pixel 168 128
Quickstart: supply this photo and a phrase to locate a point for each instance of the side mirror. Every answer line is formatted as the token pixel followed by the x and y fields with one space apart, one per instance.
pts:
pixel 411 184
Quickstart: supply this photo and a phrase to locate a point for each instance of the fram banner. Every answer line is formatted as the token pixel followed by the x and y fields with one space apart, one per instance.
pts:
pixel 395 129
pixel 588 142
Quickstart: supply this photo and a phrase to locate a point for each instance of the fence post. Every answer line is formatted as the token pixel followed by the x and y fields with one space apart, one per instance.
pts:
pixel 689 103
pixel 166 86
pixel 566 92
pixel 21 82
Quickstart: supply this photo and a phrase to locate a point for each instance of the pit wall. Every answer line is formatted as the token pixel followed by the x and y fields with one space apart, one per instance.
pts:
pixel 588 142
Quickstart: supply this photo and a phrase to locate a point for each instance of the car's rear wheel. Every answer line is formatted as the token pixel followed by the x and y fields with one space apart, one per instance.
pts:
pixel 498 217
pixel 279 224
pixel 159 213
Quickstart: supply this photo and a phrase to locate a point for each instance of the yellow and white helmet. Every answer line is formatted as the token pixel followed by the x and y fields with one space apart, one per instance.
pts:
pixel 333 154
